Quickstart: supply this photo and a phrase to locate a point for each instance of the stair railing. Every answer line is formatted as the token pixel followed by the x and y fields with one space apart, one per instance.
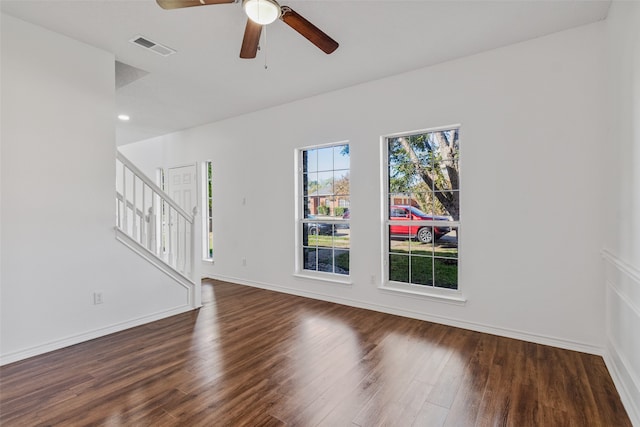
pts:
pixel 147 215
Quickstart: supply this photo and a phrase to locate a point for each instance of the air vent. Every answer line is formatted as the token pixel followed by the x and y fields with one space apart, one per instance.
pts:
pixel 152 46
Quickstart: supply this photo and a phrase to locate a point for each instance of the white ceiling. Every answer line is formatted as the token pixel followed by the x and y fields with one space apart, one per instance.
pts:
pixel 206 81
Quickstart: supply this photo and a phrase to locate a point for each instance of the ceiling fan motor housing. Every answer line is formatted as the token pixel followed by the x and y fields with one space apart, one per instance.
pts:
pixel 262 12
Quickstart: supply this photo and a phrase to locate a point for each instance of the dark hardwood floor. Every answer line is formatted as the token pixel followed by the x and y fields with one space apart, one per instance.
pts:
pixel 259 358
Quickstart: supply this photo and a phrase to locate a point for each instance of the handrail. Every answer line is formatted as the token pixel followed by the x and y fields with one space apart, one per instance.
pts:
pixel 140 175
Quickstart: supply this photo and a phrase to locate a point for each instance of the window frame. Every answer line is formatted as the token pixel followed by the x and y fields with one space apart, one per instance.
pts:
pixel 454 296
pixel 300 220
pixel 207 215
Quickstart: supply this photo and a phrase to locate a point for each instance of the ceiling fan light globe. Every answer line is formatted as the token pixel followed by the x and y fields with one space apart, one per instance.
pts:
pixel 262 12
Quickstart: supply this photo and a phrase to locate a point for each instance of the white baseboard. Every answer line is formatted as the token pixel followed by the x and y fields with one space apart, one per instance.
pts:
pixel 473 326
pixel 623 320
pixel 628 387
pixel 86 336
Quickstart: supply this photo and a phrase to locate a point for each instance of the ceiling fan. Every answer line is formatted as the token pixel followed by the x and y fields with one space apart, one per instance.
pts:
pixel 260 13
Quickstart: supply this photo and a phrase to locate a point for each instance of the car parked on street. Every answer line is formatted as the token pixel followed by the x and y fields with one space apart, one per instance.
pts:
pixel 320 228
pixel 422 233
pixel 326 228
pixel 317 228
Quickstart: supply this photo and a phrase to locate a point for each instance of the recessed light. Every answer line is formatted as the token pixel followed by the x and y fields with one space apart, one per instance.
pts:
pixel 123 117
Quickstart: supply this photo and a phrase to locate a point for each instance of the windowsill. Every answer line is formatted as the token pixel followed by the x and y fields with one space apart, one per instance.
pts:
pixel 339 280
pixel 208 260
pixel 446 296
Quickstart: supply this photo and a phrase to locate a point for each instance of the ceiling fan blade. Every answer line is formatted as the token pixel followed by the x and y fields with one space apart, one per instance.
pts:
pixel 251 39
pixel 178 4
pixel 312 33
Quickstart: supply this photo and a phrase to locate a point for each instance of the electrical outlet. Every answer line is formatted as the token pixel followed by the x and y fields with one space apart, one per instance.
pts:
pixel 373 279
pixel 97 298
pixel 244 262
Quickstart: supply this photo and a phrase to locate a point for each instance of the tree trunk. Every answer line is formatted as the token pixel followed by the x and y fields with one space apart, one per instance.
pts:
pixel 448 198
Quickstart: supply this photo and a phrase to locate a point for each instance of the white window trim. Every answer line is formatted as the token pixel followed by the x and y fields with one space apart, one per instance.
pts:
pixel 299 271
pixel 454 296
pixel 437 294
pixel 341 279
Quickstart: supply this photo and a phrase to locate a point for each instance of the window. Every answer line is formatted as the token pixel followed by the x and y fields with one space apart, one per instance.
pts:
pixel 208 216
pixel 323 218
pixel 423 210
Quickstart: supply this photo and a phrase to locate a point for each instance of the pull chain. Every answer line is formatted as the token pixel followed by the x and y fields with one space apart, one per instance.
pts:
pixel 265 47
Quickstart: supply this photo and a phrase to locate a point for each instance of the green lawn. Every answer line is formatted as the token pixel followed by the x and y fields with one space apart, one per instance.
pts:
pixel 422 270
pixel 407 258
pixel 418 263
pixel 328 241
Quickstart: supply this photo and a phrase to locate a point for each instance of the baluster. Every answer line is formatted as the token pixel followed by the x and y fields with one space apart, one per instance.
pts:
pixel 194 245
pixel 178 216
pixel 187 240
pixel 185 243
pixel 183 239
pixel 118 210
pixel 170 235
pixel 151 230
pixel 165 231
pixel 125 222
pixel 134 210
pixel 178 242
pixel 187 235
pixel 156 224
pixel 144 220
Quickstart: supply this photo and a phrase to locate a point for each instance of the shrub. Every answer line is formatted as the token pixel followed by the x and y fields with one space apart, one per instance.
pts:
pixel 340 211
pixel 323 210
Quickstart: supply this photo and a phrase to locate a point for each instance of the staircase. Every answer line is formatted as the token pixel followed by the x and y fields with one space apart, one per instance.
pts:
pixel 150 223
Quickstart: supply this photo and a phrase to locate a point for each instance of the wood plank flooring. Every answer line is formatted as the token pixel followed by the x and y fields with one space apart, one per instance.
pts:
pixel 252 357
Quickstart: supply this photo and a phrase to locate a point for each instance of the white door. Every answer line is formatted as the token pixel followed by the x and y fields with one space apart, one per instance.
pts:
pixel 182 188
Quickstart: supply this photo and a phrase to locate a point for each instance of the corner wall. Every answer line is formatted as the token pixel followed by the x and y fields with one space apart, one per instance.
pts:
pixel 622 253
pixel 531 234
pixel 58 201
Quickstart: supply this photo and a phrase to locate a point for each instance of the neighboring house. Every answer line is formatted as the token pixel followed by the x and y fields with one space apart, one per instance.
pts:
pixel 323 197
pixel 400 199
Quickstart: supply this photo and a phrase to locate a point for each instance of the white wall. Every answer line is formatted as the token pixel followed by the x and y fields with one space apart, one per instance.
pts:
pixel 58 205
pixel 622 251
pixel 532 129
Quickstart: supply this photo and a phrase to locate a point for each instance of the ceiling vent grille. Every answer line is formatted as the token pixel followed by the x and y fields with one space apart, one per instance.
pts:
pixel 152 46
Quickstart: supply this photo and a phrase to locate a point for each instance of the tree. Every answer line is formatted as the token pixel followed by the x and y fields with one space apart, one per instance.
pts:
pixel 313 187
pixel 430 160
pixel 341 186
